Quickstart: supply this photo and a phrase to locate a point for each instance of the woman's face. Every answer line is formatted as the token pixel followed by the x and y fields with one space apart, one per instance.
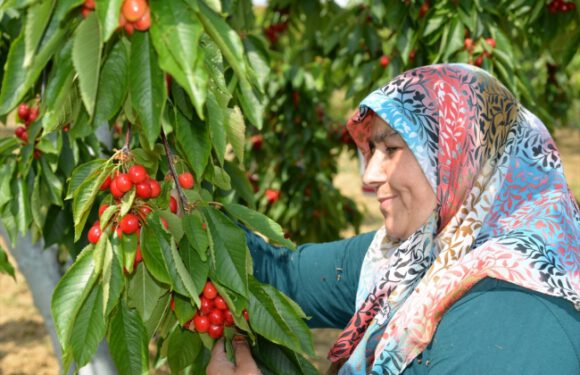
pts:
pixel 405 196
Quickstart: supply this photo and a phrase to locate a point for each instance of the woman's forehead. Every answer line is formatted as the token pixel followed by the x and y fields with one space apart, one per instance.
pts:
pixel 380 130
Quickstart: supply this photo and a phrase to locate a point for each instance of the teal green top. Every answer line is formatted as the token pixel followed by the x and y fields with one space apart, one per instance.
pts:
pixel 495 328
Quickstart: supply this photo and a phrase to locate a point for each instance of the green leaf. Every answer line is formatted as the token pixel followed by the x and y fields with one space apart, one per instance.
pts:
pixel 456 39
pixel 112 279
pixel 259 222
pixel 236 130
pixel 82 172
pixel 144 293
pixel 37 19
pixel 216 120
pixel 274 318
pixel 53 183
pixel 252 104
pixel 128 342
pixel 108 12
pixel 22 201
pixel 197 236
pixel 151 249
pixel 184 310
pixel 230 251
pixel 113 84
pixel 89 327
pixel 194 141
pixel 128 247
pixel 70 293
pixel 280 360
pixel 86 56
pixel 240 183
pixel 198 269
pixel 5 266
pixel 176 35
pixel 183 347
pixel 220 178
pixel 147 86
pixel 6 171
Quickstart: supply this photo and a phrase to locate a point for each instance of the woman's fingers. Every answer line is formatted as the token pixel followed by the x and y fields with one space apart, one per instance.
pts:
pixel 219 363
pixel 245 363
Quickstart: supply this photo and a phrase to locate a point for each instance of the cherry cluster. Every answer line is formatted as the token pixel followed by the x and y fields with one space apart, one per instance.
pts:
pixel 273 31
pixel 135 14
pixel 27 114
pixel 561 6
pixel 469 45
pixel 213 314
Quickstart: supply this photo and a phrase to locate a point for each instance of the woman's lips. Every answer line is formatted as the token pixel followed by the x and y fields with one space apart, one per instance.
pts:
pixel 386 201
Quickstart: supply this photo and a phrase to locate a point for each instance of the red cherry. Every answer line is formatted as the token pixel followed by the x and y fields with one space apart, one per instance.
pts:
pixel 272 195
pixel 137 174
pixel 115 189
pixel 36 154
pixel 216 316
pixel 123 182
pixel 423 9
pixel 172 304
pixel 412 55
pixel 33 115
pixel 94 233
pixel 220 303
pixel 105 185
pixel 491 42
pixel 173 205
pixel 129 224
pixel 215 331
pixel 168 80
pixel 138 256
pixel 468 44
pixel 144 210
pixel 143 190
pixel 23 111
pixel 246 315
pixel 19 131
pixel 186 180
pixel 119 232
pixel 479 60
pixel 122 21
pixel 155 188
pixel 201 323
pixel 257 141
pixel 134 9
pixel 206 305
pixel 89 4
pixel 102 209
pixel 228 318
pixel 85 12
pixel 164 222
pixel 209 290
pixel 129 29
pixel 385 61
pixel 143 23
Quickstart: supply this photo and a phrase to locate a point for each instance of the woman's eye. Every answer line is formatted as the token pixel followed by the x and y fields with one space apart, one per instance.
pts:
pixel 390 150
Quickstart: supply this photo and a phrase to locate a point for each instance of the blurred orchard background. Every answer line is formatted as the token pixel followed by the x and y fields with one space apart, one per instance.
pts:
pixel 311 62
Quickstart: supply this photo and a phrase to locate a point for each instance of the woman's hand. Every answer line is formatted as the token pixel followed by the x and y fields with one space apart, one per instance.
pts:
pixel 220 365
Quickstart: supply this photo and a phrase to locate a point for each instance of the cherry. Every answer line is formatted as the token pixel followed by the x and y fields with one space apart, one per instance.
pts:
pixel 186 180
pixel 206 305
pixel 479 60
pixel 138 256
pixel 143 190
pixel 105 185
pixel 155 188
pixel 23 111
pixel 164 222
pixel 102 209
pixel 491 42
pixel 94 233
pixel 209 290
pixel 89 4
pixel 36 154
pixel 215 331
pixel 129 28
pixel 144 210
pixel 137 174
pixel 19 131
pixel 228 318
pixel 412 55
pixel 201 323
pixel 115 189
pixel 143 23
pixel 119 232
pixel 423 9
pixel 216 316
pixel 173 205
pixel 385 61
pixel 129 224
pixel 172 304
pixel 134 9
pixel 220 303
pixel 246 315
pixel 257 141
pixel 468 44
pixel 272 195
pixel 124 183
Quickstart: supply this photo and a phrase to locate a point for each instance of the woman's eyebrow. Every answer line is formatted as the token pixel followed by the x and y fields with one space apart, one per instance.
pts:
pixel 382 134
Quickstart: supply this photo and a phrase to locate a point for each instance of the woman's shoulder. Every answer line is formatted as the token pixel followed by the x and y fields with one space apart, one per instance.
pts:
pixel 498 327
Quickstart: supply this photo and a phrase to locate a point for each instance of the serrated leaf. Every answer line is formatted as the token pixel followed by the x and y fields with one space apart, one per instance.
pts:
pixel 147 86
pixel 108 12
pixel 81 173
pixel 252 103
pixel 236 130
pixel 230 251
pixel 183 347
pixel 217 126
pixel 37 19
pixel 220 178
pixel 197 237
pixel 197 268
pixel 70 293
pixel 112 280
pixel 259 222
pixel 5 266
pixel 240 183
pixel 89 327
pixel 176 33
pixel 194 141
pixel 128 341
pixel 144 293
pixel 86 56
pixel 113 84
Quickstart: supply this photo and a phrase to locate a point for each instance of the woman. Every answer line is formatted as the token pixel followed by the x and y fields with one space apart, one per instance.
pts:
pixel 477 267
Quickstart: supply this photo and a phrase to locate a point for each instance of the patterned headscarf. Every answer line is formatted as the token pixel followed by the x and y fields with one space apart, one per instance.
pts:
pixel 504 210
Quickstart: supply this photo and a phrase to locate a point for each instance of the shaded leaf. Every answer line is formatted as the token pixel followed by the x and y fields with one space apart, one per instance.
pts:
pixel 128 341
pixel 89 327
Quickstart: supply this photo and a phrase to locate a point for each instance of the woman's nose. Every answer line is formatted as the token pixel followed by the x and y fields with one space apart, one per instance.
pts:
pixel 374 173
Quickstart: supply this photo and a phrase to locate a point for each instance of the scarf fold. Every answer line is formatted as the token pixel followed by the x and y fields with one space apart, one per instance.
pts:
pixel 504 211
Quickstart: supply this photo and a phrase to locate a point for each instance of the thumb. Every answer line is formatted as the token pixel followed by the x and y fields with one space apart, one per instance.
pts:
pixel 219 363
pixel 244 361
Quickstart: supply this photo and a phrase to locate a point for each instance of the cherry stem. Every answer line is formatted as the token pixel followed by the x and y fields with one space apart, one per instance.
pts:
pixel 127 139
pixel 181 194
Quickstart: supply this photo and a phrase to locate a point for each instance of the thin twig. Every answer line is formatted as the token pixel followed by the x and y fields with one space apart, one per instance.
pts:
pixel 180 192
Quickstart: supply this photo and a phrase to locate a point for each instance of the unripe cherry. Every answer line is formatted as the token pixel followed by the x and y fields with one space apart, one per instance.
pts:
pixel 215 331
pixel 124 183
pixel 94 233
pixel 134 9
pixel 155 188
pixel 201 323
pixel 143 190
pixel 129 224
pixel 173 204
pixel 137 174
pixel 216 316
pixel 209 290
pixel 186 180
